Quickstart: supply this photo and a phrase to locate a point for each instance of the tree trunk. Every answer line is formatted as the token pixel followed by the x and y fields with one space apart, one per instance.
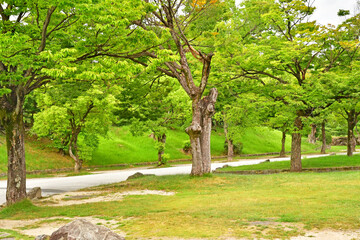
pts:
pixel 323 137
pixel 200 132
pixel 74 153
pixel 15 133
pixel 283 140
pixel 353 142
pixel 230 145
pixel 351 119
pixel 161 139
pixel 312 135
pixel 296 146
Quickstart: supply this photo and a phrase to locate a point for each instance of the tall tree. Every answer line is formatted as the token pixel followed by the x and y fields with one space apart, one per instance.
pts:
pixel 281 51
pixel 172 39
pixel 40 41
pixel 28 28
pixel 72 111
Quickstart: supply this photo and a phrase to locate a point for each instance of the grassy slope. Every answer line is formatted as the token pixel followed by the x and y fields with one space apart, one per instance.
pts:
pixel 38 156
pixel 322 162
pixel 222 206
pixel 121 147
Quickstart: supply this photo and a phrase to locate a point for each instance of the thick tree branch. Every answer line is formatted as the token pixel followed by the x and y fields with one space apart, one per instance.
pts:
pixel 44 30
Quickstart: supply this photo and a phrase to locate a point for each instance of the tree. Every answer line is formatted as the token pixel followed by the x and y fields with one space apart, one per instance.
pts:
pixel 41 41
pixel 72 111
pixel 169 40
pixel 157 109
pixel 27 29
pixel 281 50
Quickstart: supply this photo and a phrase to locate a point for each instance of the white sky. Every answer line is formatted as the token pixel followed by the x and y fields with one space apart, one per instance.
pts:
pixel 326 10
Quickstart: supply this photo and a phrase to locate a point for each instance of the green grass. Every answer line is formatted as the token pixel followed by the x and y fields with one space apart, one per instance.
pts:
pixel 14 234
pixel 39 155
pixel 120 147
pixel 321 162
pixel 221 206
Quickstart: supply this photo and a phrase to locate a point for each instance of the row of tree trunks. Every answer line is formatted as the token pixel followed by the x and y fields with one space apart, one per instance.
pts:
pixel 200 132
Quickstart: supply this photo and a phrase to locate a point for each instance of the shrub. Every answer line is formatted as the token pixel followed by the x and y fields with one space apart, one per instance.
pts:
pixel 164 158
pixel 187 146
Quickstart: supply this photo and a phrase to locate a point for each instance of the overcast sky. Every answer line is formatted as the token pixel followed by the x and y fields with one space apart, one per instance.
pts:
pixel 326 10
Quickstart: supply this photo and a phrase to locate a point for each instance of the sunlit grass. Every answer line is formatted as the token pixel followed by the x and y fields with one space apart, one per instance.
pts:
pixel 321 162
pixel 218 206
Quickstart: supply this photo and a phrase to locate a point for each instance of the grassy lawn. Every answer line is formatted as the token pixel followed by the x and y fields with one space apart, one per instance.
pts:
pixel 322 162
pixel 120 147
pixel 221 206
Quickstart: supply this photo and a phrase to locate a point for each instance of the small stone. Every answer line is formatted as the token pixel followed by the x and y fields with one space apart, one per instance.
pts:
pixel 42 237
pixel 34 193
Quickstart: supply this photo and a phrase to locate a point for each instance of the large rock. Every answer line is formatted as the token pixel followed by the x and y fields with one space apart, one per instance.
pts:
pixel 34 193
pixel 138 175
pixel 84 230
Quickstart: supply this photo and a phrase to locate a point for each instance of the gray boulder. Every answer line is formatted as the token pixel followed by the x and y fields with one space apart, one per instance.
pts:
pixel 42 237
pixel 84 230
pixel 34 193
pixel 138 175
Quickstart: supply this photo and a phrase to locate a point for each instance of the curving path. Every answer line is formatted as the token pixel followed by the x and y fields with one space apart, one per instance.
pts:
pixel 50 186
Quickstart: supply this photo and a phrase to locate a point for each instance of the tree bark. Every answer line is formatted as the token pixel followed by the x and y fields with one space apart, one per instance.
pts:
pixel 161 139
pixel 283 141
pixel 12 120
pixel 353 142
pixel 230 145
pixel 323 137
pixel 200 132
pixel 352 120
pixel 73 152
pixel 312 135
pixel 296 165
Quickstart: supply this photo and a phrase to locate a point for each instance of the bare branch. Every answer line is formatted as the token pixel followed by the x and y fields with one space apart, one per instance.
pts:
pixel 45 26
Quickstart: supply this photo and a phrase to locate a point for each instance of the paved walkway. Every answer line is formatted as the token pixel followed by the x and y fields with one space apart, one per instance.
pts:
pixel 56 185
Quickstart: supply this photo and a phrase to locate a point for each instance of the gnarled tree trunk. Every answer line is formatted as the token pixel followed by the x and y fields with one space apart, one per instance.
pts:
pixel 12 120
pixel 323 137
pixel 73 152
pixel 200 132
pixel 312 135
pixel 296 165
pixel 283 141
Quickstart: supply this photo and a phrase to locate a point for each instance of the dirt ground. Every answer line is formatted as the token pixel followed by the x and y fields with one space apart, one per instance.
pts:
pixel 49 225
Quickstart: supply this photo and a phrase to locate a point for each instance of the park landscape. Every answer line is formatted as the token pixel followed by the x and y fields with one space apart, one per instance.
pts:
pixel 103 86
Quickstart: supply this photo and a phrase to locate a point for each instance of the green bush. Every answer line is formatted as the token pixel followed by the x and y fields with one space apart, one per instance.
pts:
pixel 164 158
pixel 187 146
